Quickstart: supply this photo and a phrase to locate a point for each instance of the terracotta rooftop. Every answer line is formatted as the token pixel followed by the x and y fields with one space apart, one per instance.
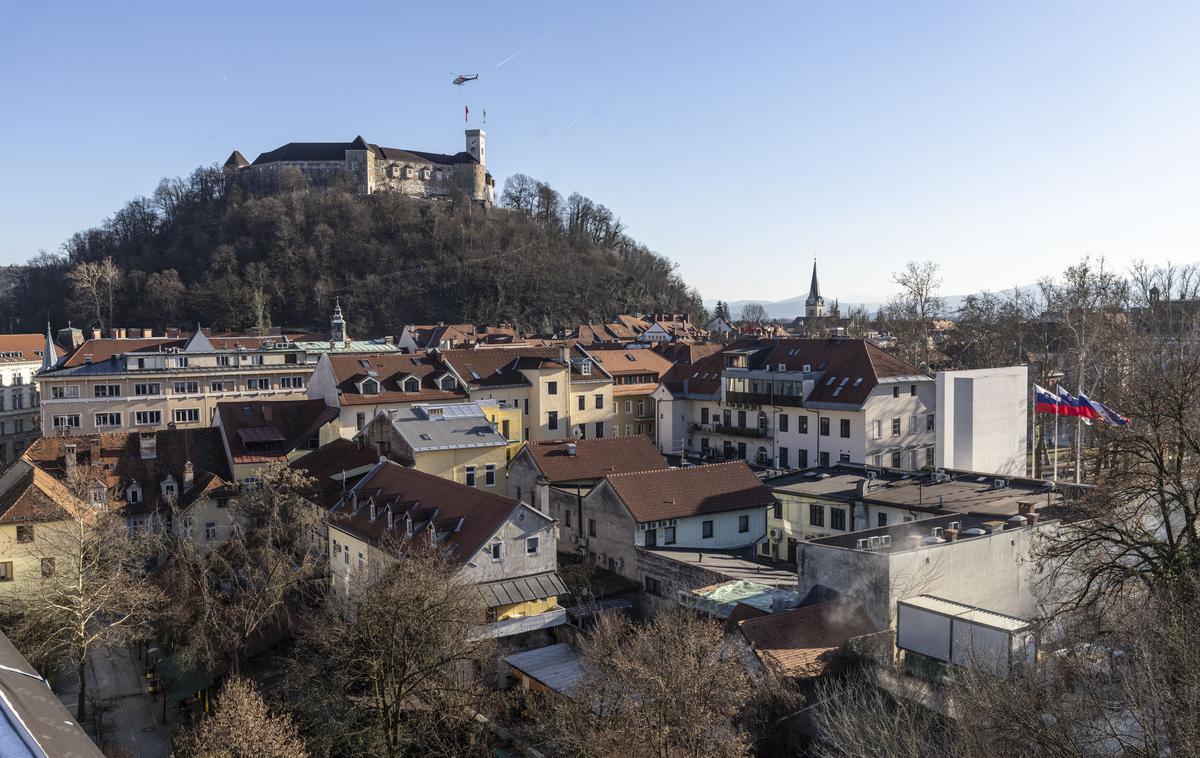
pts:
pixel 502 366
pixel 691 491
pixel 464 517
pixel 800 642
pixel 260 431
pixel 391 369
pixel 29 494
pixel 124 458
pixel 336 467
pixel 636 362
pixel 594 458
pixel 24 348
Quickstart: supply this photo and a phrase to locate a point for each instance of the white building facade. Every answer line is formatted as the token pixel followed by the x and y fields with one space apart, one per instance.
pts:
pixel 984 420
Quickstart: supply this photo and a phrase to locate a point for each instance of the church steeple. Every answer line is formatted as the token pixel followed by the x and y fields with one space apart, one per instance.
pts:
pixel 49 356
pixel 814 306
pixel 337 326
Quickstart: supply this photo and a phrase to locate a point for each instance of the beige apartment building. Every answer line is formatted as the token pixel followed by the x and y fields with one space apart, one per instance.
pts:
pixel 635 374
pixel 123 385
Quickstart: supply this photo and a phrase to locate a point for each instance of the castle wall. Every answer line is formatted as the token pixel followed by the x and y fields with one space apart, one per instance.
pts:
pixel 368 174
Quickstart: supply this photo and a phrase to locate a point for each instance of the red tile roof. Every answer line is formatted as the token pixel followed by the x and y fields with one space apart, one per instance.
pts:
pixel 497 367
pixel 594 458
pixel 692 491
pixel 118 458
pixel 799 642
pixel 28 346
pixel 464 517
pixel 34 495
pixel 266 430
pixel 336 467
pixel 390 369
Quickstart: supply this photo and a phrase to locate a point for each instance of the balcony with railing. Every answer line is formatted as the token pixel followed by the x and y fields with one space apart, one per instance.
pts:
pixel 762 398
pixel 758 432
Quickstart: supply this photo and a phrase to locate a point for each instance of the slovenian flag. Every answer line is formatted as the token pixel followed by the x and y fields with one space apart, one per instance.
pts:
pixel 1076 406
pixel 1045 401
pixel 1108 414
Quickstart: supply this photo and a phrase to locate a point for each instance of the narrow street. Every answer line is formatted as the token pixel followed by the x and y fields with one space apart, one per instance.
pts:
pixel 132 723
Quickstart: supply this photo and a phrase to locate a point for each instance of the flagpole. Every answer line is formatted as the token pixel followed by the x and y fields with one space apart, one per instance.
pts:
pixel 1057 400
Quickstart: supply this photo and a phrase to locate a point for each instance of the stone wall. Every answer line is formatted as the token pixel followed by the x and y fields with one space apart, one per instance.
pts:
pixel 366 174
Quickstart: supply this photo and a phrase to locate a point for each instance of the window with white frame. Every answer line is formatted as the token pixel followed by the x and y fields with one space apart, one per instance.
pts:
pixel 147 418
pixel 258 383
pixel 187 388
pixel 489 475
pixel 106 390
pixel 133 493
pixel 107 420
pixel 497 549
pixel 531 546
pixel 67 421
pixel 292 382
pixel 210 531
pixel 147 388
pixel 65 392
pixel 412 384
pixel 187 415
pixel 469 476
pixel 220 385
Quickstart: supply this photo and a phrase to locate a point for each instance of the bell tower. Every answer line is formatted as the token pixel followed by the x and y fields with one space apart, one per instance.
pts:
pixel 814 305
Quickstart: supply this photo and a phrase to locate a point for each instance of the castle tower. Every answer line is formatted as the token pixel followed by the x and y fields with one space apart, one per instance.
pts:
pixel 337 327
pixel 475 145
pixel 814 306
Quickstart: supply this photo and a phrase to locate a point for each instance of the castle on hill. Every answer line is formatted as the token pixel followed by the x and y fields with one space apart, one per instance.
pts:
pixel 370 168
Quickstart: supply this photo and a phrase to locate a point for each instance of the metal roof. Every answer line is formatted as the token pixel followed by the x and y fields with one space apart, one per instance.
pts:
pixel 971 613
pixel 523 589
pixel 454 426
pixel 556 666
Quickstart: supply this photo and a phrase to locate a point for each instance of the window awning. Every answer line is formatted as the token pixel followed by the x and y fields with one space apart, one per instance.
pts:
pixel 260 434
pixel 523 589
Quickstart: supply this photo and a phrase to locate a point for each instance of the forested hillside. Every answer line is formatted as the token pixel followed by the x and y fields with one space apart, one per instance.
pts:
pixel 199 251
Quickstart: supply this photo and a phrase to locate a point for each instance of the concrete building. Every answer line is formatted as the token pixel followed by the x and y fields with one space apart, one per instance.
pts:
pixel 369 168
pixel 983 420
pixel 826 502
pixel 22 356
pixel 502 546
pixel 795 403
pixel 555 476
pixel 454 441
pixel 983 561
pixel 147 384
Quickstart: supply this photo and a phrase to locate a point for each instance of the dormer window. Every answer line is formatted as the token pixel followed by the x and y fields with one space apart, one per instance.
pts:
pixel 412 384
pixel 408 172
pixel 133 493
pixel 585 367
pixel 99 494
pixel 369 386
pixel 447 383
pixel 169 488
pixel 426 173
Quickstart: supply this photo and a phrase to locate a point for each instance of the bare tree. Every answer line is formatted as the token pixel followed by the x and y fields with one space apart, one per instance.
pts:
pixel 754 313
pixel 909 315
pixel 91 592
pixel 254 583
pixel 243 727
pixel 858 718
pixel 667 688
pixel 398 665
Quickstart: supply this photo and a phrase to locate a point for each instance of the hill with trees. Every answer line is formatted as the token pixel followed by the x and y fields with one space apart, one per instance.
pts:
pixel 201 250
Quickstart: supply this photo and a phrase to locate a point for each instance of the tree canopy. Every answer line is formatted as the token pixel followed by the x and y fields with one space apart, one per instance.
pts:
pixel 202 250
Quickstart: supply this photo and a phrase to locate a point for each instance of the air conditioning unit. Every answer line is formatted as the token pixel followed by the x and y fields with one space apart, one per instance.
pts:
pixel 885 540
pixel 776 534
pixel 999 484
pixel 876 542
pixel 864 544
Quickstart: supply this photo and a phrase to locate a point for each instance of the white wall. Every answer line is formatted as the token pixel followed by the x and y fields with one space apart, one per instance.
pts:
pixel 689 531
pixel 982 421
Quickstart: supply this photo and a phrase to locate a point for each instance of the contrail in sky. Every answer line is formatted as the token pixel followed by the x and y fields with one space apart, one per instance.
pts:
pixel 531 44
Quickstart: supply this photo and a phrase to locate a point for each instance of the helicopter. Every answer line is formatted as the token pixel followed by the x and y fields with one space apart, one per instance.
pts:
pixel 462 79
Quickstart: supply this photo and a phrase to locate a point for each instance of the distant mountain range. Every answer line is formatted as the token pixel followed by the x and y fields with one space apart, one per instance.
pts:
pixel 794 306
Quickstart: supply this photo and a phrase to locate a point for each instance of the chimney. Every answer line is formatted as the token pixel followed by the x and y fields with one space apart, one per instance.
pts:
pixel 389 340
pixel 391 519
pixel 70 460
pixel 571 449
pixel 542 493
pixel 950 535
pixel 1024 507
pixel 864 486
pixel 188 476
pixel 149 446
pixel 373 511
pixel 1033 517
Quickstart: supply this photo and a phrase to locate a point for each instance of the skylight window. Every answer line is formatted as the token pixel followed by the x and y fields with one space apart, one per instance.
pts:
pixel 858 381
pixel 832 379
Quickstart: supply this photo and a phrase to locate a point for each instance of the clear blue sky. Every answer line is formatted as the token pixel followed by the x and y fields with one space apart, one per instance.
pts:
pixel 1003 140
